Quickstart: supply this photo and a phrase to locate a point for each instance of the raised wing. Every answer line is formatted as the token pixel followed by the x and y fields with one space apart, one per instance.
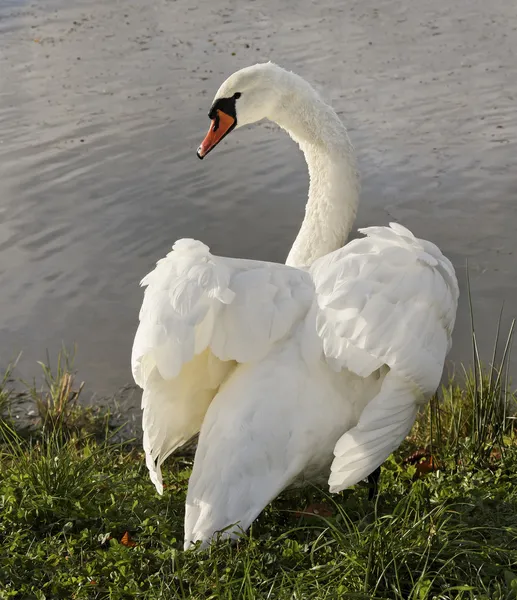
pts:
pixel 387 299
pixel 200 316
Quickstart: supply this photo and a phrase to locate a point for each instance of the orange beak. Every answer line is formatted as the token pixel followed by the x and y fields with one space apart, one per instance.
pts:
pixel 220 126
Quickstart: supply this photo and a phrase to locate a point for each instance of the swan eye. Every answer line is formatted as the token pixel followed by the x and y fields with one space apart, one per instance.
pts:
pixel 237 95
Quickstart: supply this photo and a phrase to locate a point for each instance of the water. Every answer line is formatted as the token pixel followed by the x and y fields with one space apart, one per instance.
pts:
pixel 103 104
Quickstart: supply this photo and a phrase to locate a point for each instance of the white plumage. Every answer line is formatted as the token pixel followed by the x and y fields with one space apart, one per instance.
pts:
pixel 309 372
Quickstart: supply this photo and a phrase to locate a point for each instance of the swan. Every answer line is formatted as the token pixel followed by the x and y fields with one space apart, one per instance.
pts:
pixel 308 371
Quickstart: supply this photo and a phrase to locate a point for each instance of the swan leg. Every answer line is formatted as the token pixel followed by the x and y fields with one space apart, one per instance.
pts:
pixel 373 483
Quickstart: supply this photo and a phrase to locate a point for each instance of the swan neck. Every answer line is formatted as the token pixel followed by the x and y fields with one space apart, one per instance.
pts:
pixel 334 183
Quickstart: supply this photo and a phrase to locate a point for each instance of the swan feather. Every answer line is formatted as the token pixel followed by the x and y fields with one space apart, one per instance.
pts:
pixel 373 303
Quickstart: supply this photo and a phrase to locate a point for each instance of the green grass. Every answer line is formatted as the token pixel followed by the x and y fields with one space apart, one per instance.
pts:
pixel 444 525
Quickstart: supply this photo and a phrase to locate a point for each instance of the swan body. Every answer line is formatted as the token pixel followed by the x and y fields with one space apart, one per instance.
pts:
pixel 311 371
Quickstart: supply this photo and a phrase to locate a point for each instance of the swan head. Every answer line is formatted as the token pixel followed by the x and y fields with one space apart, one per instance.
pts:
pixel 247 96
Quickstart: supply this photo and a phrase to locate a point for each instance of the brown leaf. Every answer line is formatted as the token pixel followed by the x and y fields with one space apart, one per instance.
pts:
pixel 127 541
pixel 423 460
pixel 495 454
pixel 416 456
pixel 425 466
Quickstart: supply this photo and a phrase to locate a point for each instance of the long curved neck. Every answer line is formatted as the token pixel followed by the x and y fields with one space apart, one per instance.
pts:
pixel 334 183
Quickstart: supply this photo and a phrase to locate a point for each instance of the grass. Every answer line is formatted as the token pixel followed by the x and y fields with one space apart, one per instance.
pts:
pixel 79 517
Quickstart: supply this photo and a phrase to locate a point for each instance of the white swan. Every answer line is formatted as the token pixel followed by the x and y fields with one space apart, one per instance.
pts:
pixel 308 371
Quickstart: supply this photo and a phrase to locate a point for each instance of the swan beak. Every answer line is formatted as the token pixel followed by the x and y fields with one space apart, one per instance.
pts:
pixel 220 126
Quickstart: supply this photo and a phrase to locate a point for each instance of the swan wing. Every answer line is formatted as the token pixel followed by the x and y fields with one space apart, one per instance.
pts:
pixel 386 299
pixel 201 315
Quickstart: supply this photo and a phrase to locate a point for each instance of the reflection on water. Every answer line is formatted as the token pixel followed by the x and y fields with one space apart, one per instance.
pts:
pixel 102 106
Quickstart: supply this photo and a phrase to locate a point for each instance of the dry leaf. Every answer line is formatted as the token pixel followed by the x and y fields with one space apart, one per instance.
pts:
pixel 426 466
pixel 495 454
pixel 127 541
pixel 416 456
pixel 423 460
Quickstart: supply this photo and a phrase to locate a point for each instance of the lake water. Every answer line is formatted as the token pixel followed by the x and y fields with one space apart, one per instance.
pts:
pixel 103 104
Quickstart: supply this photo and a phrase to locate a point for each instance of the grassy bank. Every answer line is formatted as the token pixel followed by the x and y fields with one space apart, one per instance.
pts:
pixel 79 517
